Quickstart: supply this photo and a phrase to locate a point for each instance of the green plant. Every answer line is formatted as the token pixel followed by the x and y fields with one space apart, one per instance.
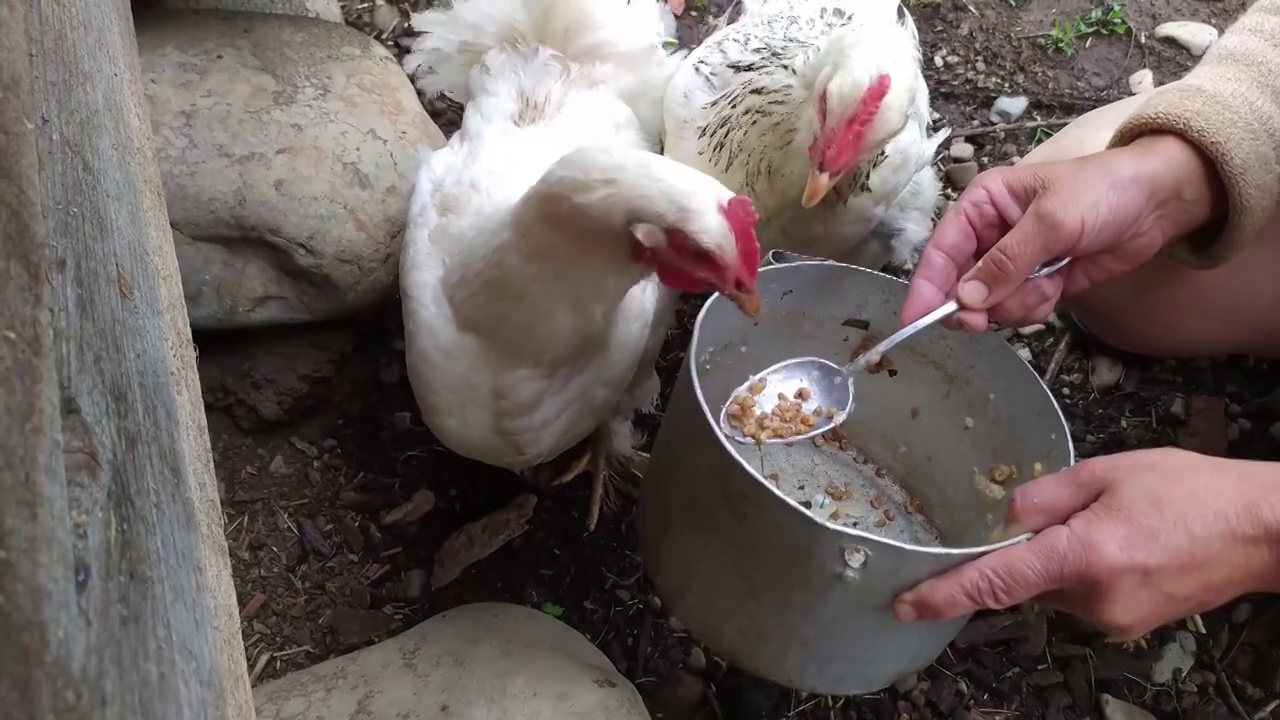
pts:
pixel 1102 20
pixel 1041 135
pixel 1062 38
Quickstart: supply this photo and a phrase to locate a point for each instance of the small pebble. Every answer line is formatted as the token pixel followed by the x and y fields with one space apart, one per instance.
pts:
pixel 415 581
pixel 938 61
pixel 1023 352
pixel 905 684
pixel 1008 108
pixel 623 595
pixel 1142 81
pixel 1233 433
pixel 1116 709
pixel 916 696
pixel 1275 431
pixel 655 602
pixel 1244 424
pixel 1179 407
pixel 307 448
pixel 674 623
pixel 961 151
pixel 697 661
pixel 1240 614
pixel 961 174
pixel 1174 659
pixel 968 423
pixel 1234 410
pixel 1009 150
pixel 1029 330
pixel 1105 372
pixel 402 421
pixel 278 466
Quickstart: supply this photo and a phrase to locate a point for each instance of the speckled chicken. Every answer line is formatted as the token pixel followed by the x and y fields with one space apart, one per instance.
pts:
pixel 819 111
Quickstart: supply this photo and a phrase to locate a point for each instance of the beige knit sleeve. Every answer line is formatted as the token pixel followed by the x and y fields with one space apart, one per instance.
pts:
pixel 1229 106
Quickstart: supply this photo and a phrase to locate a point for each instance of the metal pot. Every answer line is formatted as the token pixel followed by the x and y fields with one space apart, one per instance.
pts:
pixel 777 588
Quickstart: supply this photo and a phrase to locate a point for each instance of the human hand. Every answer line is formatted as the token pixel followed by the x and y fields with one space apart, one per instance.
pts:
pixel 1127 542
pixel 1111 211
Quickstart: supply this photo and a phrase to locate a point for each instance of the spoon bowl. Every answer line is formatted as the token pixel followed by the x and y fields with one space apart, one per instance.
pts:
pixel 804 397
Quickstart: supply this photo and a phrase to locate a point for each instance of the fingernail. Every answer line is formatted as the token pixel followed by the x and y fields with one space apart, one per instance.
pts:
pixel 905 612
pixel 972 292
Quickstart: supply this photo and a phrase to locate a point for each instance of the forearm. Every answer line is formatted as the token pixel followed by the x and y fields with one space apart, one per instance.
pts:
pixel 1229 108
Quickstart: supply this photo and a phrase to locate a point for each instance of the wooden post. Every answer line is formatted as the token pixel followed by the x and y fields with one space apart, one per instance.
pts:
pixel 116 600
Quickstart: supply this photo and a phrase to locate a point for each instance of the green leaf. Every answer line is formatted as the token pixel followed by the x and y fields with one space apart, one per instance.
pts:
pixel 552 609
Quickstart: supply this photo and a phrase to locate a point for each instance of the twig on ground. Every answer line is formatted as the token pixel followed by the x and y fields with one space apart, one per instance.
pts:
pixel 1007 127
pixel 1055 362
pixel 1229 695
pixel 259 666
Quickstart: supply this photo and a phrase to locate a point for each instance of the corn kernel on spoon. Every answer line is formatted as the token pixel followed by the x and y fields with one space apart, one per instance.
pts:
pixel 812 395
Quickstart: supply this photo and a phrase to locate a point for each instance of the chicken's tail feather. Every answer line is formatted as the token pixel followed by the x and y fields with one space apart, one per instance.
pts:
pixel 624 44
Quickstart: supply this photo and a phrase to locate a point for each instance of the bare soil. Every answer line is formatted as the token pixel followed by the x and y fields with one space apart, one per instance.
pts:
pixel 316 438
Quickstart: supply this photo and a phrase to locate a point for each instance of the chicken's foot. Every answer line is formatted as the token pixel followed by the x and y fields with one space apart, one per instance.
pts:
pixel 599 471
pixel 595 460
pixel 575 468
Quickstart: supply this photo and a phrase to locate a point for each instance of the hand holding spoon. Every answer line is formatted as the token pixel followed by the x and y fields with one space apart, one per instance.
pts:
pixel 816 383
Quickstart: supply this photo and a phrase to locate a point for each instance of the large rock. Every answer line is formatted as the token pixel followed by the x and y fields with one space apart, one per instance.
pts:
pixel 487 661
pixel 1195 37
pixel 287 147
pixel 323 9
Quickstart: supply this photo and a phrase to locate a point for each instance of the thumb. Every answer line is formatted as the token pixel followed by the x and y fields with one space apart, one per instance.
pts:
pixel 1040 235
pixel 996 581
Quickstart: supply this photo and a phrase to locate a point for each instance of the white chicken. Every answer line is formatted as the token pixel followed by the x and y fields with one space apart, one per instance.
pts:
pixel 818 110
pixel 547 240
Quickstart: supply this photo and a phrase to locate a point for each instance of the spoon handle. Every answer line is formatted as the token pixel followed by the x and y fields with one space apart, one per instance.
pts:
pixel 873 355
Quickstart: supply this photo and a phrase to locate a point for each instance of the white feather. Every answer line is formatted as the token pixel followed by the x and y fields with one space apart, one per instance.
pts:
pixel 618 43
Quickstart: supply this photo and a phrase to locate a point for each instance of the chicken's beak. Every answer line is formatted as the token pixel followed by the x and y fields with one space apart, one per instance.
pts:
pixel 748 302
pixel 815 189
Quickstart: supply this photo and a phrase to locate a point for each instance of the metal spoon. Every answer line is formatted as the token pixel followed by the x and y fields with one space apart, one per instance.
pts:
pixel 829 386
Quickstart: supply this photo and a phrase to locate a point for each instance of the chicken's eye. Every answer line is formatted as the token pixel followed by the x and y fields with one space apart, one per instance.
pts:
pixel 699 254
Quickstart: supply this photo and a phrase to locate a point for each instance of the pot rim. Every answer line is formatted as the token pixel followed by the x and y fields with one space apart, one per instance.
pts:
pixel 691 361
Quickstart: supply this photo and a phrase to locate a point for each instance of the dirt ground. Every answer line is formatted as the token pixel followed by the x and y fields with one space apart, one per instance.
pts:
pixel 316 439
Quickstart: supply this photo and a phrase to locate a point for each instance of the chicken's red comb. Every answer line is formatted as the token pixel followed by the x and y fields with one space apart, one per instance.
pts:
pixel 842 147
pixel 741 215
